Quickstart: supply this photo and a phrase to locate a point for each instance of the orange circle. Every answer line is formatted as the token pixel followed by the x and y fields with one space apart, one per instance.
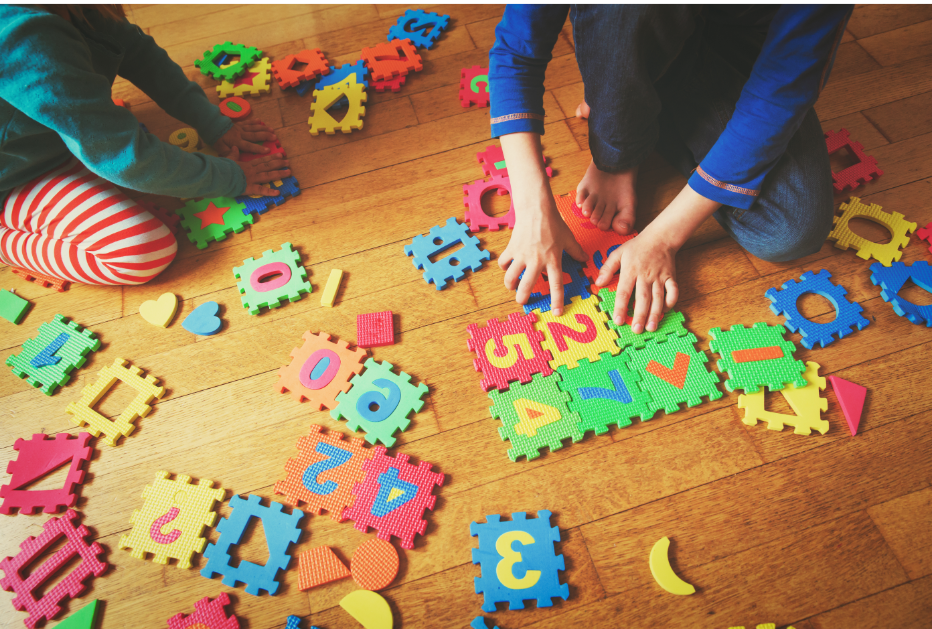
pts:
pixel 374 564
pixel 243 105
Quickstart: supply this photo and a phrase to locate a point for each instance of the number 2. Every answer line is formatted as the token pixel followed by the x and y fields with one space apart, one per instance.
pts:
pixel 335 458
pixel 505 568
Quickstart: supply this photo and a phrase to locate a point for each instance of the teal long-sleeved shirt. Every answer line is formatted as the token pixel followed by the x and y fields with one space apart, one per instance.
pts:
pixel 55 102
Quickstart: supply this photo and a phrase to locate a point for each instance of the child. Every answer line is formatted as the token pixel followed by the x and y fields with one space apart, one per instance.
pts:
pixel 64 144
pixel 724 93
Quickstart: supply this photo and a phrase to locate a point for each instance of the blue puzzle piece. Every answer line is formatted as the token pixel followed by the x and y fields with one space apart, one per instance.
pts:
pixel 578 286
pixel 336 75
pixel 413 25
pixel 439 240
pixel 522 552
pixel 47 356
pixel 479 623
pixel 281 531
pixel 847 314
pixel 260 205
pixel 892 278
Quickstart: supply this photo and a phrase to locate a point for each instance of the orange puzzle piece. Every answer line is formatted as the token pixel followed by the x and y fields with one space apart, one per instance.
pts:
pixel 374 564
pixel 319 370
pixel 315 64
pixel 389 59
pixel 42 280
pixel 319 566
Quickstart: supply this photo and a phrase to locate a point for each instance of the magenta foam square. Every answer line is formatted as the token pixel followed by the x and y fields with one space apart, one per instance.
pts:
pixel 375 329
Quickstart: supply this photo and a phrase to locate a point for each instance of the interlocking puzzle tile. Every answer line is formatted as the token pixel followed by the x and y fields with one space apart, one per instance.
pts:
pixel 254 203
pixel 421 28
pixel 393 85
pixel 208 64
pixel 674 372
pixel 318 566
pixel 375 329
pixel 479 623
pixel 171 220
pixel 851 399
pixel 673 322
pixel 45 281
pixel 147 390
pixel 926 234
pixel 475 215
pixel 474 86
pixel 804 401
pixel 326 97
pixel 48 606
pixel 319 370
pixel 847 314
pixel 315 64
pixel 605 393
pixel 580 332
pixel 534 558
pixel 324 472
pixel 281 531
pixel 329 295
pixel 575 284
pixel 389 59
pixel 212 220
pixel 235 107
pixel 293 622
pixel 275 150
pixel 36 458
pixel 84 618
pixel 393 497
pixel 886 253
pixel 186 139
pixel 374 564
pixel 863 171
pixel 272 279
pixel 756 357
pixel 508 351
pixel 492 161
pixel 171 523
pixel 12 307
pixel 892 279
pixel 254 82
pixel 208 614
pixel 379 402
pixel 441 238
pixel 534 416
pixel 357 70
pixel 72 354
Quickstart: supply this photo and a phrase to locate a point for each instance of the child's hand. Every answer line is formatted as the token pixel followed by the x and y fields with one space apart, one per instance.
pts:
pixel 262 170
pixel 247 136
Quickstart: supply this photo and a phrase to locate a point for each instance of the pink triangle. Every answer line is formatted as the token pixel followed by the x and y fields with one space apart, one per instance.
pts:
pixel 851 397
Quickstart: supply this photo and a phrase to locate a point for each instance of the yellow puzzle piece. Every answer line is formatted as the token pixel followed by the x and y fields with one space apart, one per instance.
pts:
pixel 580 332
pixel 885 253
pixel 253 83
pixel 804 401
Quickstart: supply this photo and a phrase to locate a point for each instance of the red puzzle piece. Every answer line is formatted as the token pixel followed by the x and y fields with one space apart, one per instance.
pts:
pixel 508 351
pixel 274 146
pixel 474 86
pixel 862 172
pixel 395 84
pixel 171 220
pixel 475 215
pixel 207 614
pixel 49 605
pixel 389 59
pixel 926 234
pixel 37 457
pixel 316 65
pixel 375 329
pixel 851 398
pixel 492 160
pixel 42 280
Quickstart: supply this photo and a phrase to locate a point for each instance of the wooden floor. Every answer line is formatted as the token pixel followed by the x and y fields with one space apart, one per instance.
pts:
pixel 820 532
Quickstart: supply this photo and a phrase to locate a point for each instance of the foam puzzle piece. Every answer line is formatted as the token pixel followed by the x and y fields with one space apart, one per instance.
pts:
pixel 235 107
pixel 379 402
pixel 862 172
pixel 171 523
pixel 357 70
pixel 580 332
pixel 847 314
pixel 325 98
pixel 208 64
pixel 767 625
pixel 673 322
pixel 470 256
pixel 804 401
pixel 315 65
pixel 281 531
pixel 575 284
pixel 925 234
pixel 275 150
pixel 374 564
pixel 38 457
pixel 375 329
pixel 212 220
pixel 474 86
pixel 47 356
pixel 393 85
pixel 254 82
pixel 851 399
pixel 475 215
pixel 171 220
pixel 757 356
pixel 492 161
pixel 275 277
pixel 323 474
pixel 420 27
pixel 389 59
pixel 12 307
pixel 605 393
pixel 203 320
pixel 479 623
pixel 329 294
pixel 159 312
pixel 293 622
pixel 319 566
pixel 508 351
pixel 73 354
pixel 892 279
pixel 208 614
pixel 319 370
pixel 45 281
pixel 368 608
pixel 48 606
pixel 535 558
pixel 886 253
pixel 186 139
pixel 84 618
pixel 393 497
pixel 83 412
pixel 674 372
pixel 255 203
pixel 534 416
pixel 662 571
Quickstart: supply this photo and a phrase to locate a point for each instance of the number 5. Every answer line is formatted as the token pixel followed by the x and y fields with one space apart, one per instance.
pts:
pixel 511 342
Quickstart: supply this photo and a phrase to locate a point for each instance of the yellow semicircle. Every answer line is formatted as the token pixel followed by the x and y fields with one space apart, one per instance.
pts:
pixel 368 608
pixel 663 572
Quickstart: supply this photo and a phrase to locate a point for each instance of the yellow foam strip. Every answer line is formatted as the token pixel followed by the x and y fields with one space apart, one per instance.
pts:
pixel 333 285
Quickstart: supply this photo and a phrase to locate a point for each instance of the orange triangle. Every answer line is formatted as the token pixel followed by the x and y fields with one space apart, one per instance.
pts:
pixel 318 566
pixel 532 414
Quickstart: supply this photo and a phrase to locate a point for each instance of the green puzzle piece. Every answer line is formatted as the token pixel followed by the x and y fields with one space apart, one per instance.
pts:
pixel 210 220
pixel 12 306
pixel 379 402
pixel 772 365
pixel 290 284
pixel 671 323
pixel 54 373
pixel 674 372
pixel 535 415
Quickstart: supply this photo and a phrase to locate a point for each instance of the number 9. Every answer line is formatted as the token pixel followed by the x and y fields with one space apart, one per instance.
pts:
pixel 186 139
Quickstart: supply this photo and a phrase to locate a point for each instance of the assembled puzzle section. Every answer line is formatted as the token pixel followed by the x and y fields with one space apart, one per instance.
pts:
pixel 319 370
pixel 575 284
pixel 12 307
pixel 756 357
pixel 474 86
pixel 475 215
pixel 273 279
pixel 357 70
pixel 208 614
pixel 325 98
pixel 673 322
pixel 60 347
pixel 673 372
pixel 171 523
pixel 281 531
pixel 893 278
pixel 858 173
pixel 534 416
pixel 421 28
pixel 320 566
pixel 44 281
pixel 212 220
pixel 390 59
pixel 580 332
pixel 315 64
pixel 501 560
pixel 804 401
pixel 209 63
pixel 886 253
pixel 259 204
pixel 393 497
pixel 452 267
pixel 38 457
pixel 375 329
pixel 508 351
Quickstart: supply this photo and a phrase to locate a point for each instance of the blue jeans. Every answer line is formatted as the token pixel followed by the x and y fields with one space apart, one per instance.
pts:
pixel 668 78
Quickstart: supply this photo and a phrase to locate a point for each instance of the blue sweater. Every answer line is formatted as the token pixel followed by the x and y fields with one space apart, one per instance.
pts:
pixel 790 71
pixel 55 101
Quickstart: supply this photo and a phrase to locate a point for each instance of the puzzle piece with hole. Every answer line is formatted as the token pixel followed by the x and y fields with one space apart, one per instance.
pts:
pixel 387 60
pixel 804 401
pixel 453 266
pixel 886 253
pixel 475 215
pixel 420 27
pixel 38 457
pixel 272 280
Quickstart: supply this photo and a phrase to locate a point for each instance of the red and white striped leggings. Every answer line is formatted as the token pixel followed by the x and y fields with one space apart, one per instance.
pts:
pixel 71 224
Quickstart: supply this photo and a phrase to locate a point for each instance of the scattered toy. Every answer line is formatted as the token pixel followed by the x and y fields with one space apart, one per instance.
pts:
pixel 273 278
pixel 567 343
pixel 375 329
pixel 254 82
pixel 315 64
pixel 368 608
pixel 673 372
pixel 886 253
pixel 330 292
pixel 663 572
pixel 45 281
pixel 374 564
pixel 38 457
pixel 474 86
pixel 186 139
pixel 85 618
pixel 12 307
pixel 756 357
pixel 804 401
pixel 926 234
pixel 452 267
pixel 208 64
pixel 319 566
pixel 575 284
pixel 892 279
pixel 260 204
pixel 851 399
pixel 209 614
pixel 508 352
pixel 390 59
pixel 203 320
pixel 422 29
pixel 357 70
pixel 862 172
pixel 325 98
pixel 475 215
pixel 319 370
pixel 212 220
pixel 160 312
pixel 235 107
pixel 72 354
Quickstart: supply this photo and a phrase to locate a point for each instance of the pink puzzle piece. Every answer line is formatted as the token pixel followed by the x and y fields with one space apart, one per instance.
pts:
pixel 926 234
pixel 851 398
pixel 40 456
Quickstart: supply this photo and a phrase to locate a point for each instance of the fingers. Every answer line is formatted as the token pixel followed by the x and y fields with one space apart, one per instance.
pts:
pixel 526 285
pixel 611 266
pixel 622 296
pixel 513 274
pixel 576 251
pixel 233 154
pixel 260 190
pixel 656 307
pixel 673 292
pixel 504 260
pixel 555 276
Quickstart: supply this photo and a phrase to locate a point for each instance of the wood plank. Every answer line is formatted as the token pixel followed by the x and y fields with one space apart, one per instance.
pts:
pixel 903 119
pixel 907 606
pixel 906 522
pixel 888 49
pixel 871 19
pixel 851 60
pixel 878 87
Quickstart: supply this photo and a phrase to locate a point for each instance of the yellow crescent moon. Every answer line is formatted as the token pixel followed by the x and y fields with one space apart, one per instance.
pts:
pixel 368 608
pixel 663 572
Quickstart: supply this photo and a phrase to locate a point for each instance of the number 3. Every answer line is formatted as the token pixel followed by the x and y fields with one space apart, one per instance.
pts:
pixel 505 568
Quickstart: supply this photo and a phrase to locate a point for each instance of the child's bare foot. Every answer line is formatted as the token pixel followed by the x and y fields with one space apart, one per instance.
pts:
pixel 608 199
pixel 582 110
